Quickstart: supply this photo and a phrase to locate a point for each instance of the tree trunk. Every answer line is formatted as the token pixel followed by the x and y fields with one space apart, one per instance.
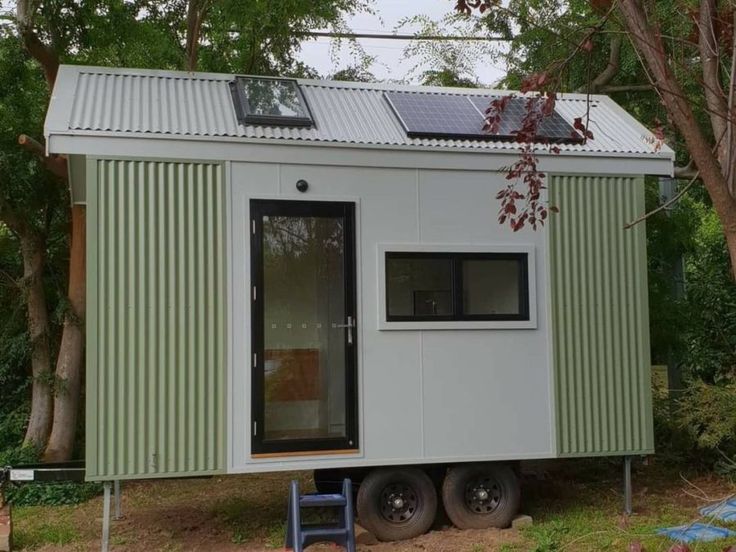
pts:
pixel 71 351
pixel 196 11
pixel 648 41
pixel 33 250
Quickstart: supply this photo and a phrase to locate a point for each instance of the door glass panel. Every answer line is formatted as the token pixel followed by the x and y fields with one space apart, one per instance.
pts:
pixel 304 305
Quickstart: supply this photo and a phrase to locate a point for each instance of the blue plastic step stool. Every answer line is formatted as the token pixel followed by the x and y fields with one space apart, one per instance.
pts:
pixel 299 536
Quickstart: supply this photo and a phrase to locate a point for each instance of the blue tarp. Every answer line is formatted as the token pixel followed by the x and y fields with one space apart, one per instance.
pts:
pixel 696 532
pixel 725 511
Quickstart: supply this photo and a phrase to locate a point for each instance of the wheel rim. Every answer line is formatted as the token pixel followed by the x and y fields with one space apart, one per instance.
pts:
pixel 399 503
pixel 482 495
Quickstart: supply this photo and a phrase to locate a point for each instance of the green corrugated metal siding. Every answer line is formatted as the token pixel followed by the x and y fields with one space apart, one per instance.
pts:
pixel 600 316
pixel 155 319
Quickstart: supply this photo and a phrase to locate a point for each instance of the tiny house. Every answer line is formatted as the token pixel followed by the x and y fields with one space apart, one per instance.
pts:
pixel 289 274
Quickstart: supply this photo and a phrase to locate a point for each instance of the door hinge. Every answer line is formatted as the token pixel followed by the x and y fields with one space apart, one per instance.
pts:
pixel 255 360
pixel 255 429
pixel 254 293
pixel 253 225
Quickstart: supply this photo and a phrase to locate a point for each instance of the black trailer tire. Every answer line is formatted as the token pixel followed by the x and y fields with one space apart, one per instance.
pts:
pixel 479 496
pixel 397 503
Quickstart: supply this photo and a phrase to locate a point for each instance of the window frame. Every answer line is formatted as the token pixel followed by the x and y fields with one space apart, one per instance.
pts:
pixel 526 319
pixel 247 117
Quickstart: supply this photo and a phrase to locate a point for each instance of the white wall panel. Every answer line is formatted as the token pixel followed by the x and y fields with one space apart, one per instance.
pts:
pixel 487 393
pixel 246 180
pixel 388 365
pixel 424 394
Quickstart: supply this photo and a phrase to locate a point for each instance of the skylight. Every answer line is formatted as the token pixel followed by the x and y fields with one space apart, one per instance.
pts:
pixel 270 102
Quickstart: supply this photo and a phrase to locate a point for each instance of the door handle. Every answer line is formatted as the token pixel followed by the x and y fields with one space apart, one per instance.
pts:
pixel 349 327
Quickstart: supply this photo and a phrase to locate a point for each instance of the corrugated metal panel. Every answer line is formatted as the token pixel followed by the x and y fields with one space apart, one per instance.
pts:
pixel 200 104
pixel 600 316
pixel 156 319
pixel 136 103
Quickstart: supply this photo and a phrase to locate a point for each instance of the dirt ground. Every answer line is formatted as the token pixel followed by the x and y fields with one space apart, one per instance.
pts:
pixel 577 508
pixel 243 513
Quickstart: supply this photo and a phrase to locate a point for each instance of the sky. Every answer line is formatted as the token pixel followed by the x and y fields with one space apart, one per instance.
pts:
pixel 390 63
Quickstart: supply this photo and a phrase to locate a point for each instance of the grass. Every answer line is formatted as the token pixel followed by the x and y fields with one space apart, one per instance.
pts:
pixel 576 508
pixel 32 531
pixel 587 516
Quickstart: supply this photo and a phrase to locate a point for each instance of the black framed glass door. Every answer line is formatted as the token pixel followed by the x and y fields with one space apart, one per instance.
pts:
pixel 303 326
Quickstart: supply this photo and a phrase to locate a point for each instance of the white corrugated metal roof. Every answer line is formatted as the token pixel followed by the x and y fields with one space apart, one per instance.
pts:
pixel 136 102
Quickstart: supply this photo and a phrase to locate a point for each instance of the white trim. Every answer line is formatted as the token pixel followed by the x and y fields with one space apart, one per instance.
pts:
pixel 342 154
pixel 383 324
pixel 229 398
pixel 293 463
pixel 64 136
pixel 552 378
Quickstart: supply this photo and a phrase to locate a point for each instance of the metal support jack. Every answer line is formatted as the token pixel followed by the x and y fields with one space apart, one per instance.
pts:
pixel 118 502
pixel 628 509
pixel 105 544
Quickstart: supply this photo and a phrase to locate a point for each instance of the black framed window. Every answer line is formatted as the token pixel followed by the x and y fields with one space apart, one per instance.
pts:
pixel 435 286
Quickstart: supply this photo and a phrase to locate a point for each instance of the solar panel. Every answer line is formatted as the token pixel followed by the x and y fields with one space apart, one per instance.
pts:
pixel 456 116
pixel 553 127
pixel 435 114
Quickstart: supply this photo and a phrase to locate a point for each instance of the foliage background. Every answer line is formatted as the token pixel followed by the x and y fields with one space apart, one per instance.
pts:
pixel 693 310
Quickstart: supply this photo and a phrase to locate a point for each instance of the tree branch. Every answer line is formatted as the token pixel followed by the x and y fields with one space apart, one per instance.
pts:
pixel 611 70
pixel 711 74
pixel 16 224
pixel 196 11
pixel 56 164
pixel 613 88
pixel 730 111
pixel 43 54
pixel 666 204
pixel 688 171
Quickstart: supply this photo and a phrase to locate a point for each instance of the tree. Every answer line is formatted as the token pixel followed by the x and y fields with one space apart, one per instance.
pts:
pixel 353 73
pixel 675 47
pixel 29 204
pixel 229 35
pixel 446 62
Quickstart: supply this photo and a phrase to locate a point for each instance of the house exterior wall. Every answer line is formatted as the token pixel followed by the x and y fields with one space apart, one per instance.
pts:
pixel 156 319
pixel 168 320
pixel 600 325
pixel 425 395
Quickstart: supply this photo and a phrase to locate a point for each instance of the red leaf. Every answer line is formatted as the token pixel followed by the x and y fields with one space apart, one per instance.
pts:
pixel 587 45
pixel 554 208
pixel 462 7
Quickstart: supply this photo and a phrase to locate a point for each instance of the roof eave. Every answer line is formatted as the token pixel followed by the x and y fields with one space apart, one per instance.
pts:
pixel 225 148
